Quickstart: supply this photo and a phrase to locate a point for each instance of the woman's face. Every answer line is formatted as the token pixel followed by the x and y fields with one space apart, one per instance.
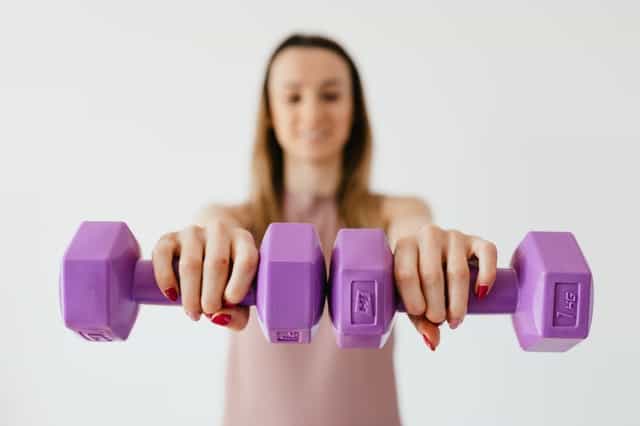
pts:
pixel 311 103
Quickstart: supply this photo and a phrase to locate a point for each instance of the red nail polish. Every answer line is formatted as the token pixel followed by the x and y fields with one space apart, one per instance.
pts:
pixel 428 342
pixel 222 319
pixel 482 291
pixel 228 305
pixel 171 294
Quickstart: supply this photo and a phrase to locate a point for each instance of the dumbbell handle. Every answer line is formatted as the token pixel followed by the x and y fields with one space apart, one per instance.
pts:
pixel 503 298
pixel 145 288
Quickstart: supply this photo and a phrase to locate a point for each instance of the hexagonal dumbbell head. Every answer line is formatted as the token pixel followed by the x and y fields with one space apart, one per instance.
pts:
pixel 555 299
pixel 103 280
pixel 361 288
pixel 96 281
pixel 292 266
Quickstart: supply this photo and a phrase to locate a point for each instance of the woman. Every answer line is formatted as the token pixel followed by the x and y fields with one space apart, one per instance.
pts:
pixel 311 164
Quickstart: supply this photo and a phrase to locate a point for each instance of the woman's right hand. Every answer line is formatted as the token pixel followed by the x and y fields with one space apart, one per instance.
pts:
pixel 217 265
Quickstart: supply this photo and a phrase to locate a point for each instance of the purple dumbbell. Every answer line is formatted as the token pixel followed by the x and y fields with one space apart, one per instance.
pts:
pixel 103 280
pixel 548 291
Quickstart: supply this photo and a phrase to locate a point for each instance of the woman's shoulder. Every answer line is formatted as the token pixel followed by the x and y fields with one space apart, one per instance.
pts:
pixel 394 207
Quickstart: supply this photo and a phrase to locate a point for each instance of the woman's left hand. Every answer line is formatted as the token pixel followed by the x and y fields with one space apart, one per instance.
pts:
pixel 434 261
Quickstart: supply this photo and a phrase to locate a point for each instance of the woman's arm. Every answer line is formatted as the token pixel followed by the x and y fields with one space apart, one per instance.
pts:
pixel 404 216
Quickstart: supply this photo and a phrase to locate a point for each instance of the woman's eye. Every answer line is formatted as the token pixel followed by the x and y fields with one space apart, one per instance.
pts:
pixel 293 99
pixel 331 97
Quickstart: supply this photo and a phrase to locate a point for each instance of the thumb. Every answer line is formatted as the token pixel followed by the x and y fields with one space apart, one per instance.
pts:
pixel 430 332
pixel 233 318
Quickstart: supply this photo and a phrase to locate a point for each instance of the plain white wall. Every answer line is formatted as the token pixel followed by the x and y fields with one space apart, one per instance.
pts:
pixel 507 116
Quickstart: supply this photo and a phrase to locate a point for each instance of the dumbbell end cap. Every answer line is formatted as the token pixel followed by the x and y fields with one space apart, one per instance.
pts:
pixel 555 301
pixel 95 281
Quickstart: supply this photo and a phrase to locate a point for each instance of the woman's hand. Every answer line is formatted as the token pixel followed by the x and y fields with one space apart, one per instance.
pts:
pixel 217 265
pixel 434 261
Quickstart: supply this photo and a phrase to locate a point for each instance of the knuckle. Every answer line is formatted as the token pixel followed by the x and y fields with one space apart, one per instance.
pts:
pixel 249 261
pixel 164 244
pixel 191 231
pixel 254 254
pixel 216 227
pixel 490 247
pixel 405 276
pixel 457 274
pixel 245 235
pixel 190 264
pixel 404 242
pixel 168 238
pixel 430 231
pixel 455 235
pixel 157 250
pixel 219 262
pixel 216 263
pixel 233 295
pixel 430 278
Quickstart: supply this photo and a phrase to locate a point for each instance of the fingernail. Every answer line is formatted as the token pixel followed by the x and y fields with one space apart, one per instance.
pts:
pixel 171 294
pixel 222 319
pixel 194 316
pixel 208 315
pixel 454 324
pixel 482 290
pixel 228 305
pixel 428 342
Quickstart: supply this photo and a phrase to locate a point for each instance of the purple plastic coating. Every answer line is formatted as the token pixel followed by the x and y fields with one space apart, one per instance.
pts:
pixel 547 290
pixel 555 302
pixel 361 288
pixel 291 301
pixel 103 281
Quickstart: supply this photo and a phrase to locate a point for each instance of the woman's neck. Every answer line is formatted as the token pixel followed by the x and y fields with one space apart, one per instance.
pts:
pixel 319 179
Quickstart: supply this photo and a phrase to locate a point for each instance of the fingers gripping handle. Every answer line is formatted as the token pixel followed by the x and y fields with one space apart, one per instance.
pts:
pixel 145 288
pixel 363 295
pixel 503 298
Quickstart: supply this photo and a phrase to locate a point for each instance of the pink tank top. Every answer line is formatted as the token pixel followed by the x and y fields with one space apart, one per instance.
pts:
pixel 316 384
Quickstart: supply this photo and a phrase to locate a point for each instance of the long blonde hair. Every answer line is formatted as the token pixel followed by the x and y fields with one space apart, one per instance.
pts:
pixel 357 206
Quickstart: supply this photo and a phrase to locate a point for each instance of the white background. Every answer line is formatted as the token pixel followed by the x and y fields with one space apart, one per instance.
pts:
pixel 506 116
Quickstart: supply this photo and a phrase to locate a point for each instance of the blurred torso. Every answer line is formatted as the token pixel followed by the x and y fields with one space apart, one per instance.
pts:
pixel 315 384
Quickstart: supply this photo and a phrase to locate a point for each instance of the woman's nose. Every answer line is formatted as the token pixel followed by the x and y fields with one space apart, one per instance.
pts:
pixel 311 113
